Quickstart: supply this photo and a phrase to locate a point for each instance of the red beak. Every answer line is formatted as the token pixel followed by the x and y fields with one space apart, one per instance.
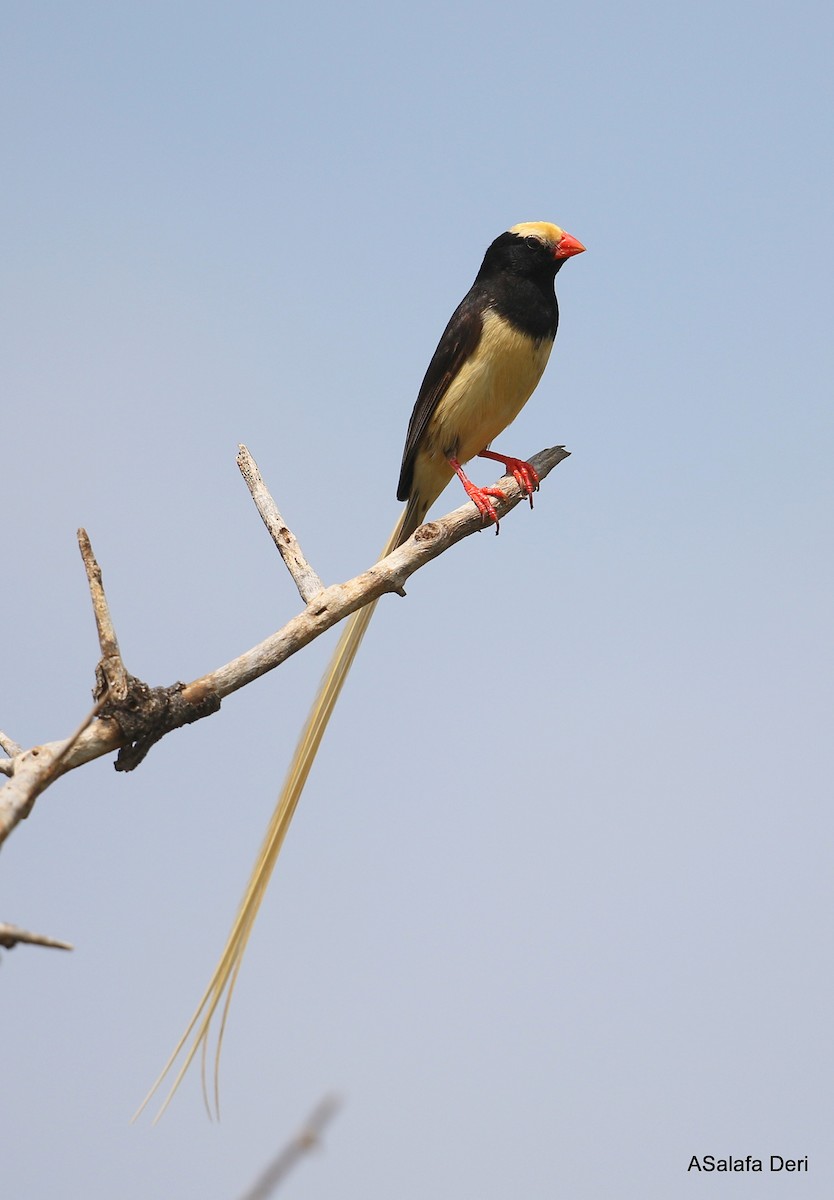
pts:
pixel 567 246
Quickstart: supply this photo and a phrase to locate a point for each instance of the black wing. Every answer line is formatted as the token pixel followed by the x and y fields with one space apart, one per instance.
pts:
pixel 459 341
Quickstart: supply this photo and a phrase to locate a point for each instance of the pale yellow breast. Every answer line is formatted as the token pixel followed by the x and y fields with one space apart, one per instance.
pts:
pixel 490 391
pixel 487 394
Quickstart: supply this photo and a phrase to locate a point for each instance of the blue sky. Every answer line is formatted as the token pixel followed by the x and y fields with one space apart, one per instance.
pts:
pixel 555 914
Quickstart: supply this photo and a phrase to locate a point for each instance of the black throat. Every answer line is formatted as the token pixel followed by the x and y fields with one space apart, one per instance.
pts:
pixel 517 282
pixel 529 305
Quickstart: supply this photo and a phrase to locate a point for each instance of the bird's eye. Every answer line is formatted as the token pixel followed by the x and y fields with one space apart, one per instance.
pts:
pixel 532 242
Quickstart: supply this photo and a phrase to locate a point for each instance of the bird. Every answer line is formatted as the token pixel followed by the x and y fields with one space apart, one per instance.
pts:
pixel 487 364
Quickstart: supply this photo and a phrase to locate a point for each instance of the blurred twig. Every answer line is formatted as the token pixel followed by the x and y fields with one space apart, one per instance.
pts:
pixel 307 1139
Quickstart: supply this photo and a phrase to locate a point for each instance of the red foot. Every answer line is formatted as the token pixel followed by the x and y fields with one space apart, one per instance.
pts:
pixel 524 474
pixel 479 496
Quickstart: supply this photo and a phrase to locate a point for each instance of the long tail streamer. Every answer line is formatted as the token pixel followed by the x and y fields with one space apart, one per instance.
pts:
pixel 222 983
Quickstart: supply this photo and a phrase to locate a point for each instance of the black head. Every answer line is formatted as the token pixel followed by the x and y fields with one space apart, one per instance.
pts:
pixel 533 250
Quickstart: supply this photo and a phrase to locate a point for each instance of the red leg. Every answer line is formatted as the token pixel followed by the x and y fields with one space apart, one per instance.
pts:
pixel 523 473
pixel 480 496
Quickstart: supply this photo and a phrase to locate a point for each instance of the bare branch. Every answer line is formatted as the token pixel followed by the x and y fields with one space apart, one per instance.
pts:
pixel 11 935
pixel 390 574
pixel 308 1138
pixel 306 579
pixel 147 714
